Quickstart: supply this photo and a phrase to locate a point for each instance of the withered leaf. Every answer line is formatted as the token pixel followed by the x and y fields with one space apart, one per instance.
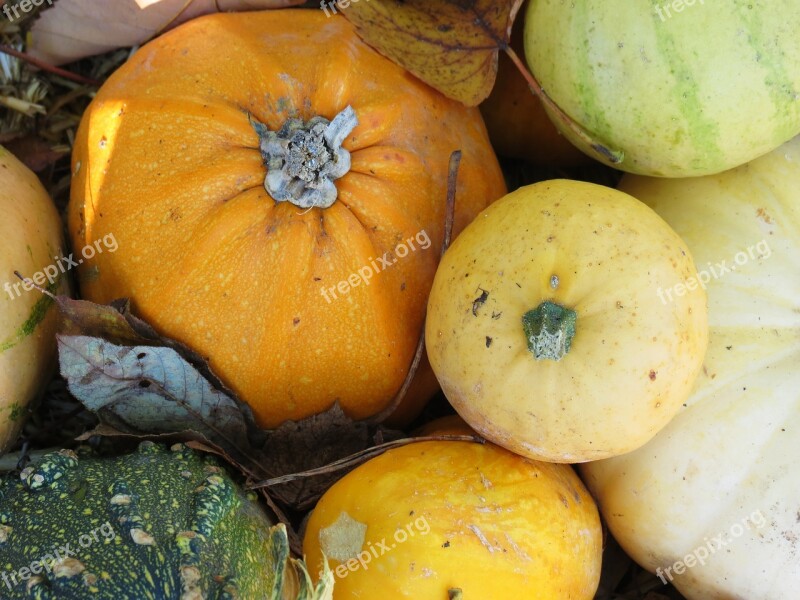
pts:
pixel 116 323
pixel 142 384
pixel 312 443
pixel 148 389
pixel 450 44
pixel 34 152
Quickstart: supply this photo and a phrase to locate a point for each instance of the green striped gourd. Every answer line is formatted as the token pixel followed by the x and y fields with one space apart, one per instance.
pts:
pixel 157 524
pixel 681 87
pixel 30 239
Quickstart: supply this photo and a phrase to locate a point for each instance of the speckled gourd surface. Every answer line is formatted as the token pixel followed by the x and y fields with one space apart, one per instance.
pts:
pixel 160 523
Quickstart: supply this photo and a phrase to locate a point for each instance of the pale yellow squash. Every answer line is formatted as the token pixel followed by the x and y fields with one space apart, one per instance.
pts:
pixel 30 241
pixel 502 307
pixel 713 502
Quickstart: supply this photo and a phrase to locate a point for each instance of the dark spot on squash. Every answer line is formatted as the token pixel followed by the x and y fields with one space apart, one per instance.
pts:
pixel 479 301
pixel 652 375
pixel 488 341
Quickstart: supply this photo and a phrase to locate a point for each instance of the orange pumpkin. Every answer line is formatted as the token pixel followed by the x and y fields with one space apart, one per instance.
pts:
pixel 314 292
pixel 517 122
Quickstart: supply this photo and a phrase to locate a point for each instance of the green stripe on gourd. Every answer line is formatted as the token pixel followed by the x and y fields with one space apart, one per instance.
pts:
pixel 777 80
pixel 586 87
pixel 677 93
pixel 703 132
pixel 36 316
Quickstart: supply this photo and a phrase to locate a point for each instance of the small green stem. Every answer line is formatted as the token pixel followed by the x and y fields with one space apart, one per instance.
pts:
pixel 549 329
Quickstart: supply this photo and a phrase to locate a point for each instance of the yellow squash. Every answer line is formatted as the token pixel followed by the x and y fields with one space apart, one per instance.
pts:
pixel 431 517
pixel 559 325
pixel 31 243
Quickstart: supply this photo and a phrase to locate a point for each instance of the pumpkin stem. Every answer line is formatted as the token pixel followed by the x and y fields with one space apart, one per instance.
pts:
pixel 304 159
pixel 549 329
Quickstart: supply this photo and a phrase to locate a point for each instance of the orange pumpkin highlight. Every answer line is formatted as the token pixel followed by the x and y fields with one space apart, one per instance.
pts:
pixel 277 297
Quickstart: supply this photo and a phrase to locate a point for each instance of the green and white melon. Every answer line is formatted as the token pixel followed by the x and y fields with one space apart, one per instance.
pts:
pixel 681 87
pixel 31 241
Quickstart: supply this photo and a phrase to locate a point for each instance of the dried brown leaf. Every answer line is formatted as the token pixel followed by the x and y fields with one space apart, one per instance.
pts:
pixel 450 44
pixel 141 384
pixel 312 443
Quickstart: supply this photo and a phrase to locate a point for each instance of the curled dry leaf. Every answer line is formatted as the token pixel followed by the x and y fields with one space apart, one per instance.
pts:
pixel 141 384
pixel 450 44
pixel 453 45
pixel 73 29
pixel 147 389
pixel 314 443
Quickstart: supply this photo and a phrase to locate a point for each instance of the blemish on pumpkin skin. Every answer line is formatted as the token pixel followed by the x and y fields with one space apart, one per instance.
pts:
pixel 479 301
pixel 762 214
pixel 652 375
pixel 520 552
pixel 482 538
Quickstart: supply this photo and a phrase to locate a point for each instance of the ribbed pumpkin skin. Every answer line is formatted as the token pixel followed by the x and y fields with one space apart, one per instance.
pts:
pixel 30 238
pixel 168 161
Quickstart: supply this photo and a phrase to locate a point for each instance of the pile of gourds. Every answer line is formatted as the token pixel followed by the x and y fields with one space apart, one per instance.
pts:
pixel 277 190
